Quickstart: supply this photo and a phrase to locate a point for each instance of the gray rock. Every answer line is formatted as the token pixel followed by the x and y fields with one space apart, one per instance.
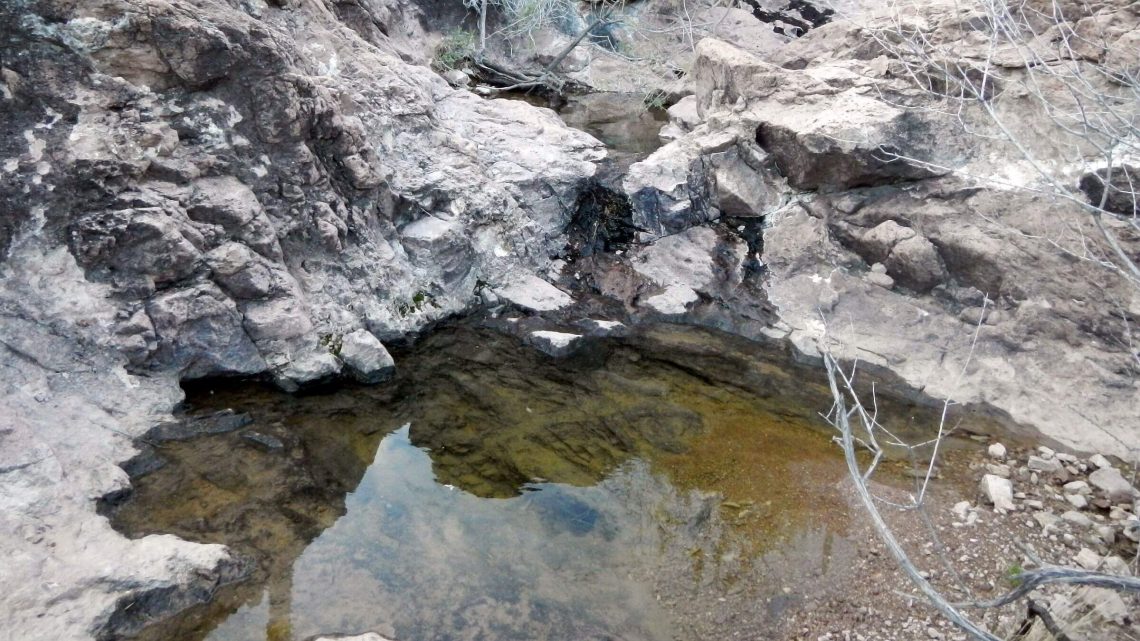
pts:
pixel 1048 466
pixel 1109 482
pixel 306 367
pixel 675 300
pixel 1046 519
pixel 1076 487
pixel 365 357
pixel 997 451
pixel 914 263
pixel 999 492
pixel 1076 518
pixel 194 427
pixel 1087 559
pixel 1099 461
pixel 367 636
pixel 199 332
pixel 534 294
pixel 263 442
pixel 556 344
pixel 1077 500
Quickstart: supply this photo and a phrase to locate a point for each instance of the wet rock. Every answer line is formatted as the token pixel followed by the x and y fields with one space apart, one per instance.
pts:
pixel 365 357
pixel 193 427
pixel 263 442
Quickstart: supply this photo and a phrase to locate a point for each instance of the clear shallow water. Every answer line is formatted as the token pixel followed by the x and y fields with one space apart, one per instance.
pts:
pixel 670 486
pixel 430 561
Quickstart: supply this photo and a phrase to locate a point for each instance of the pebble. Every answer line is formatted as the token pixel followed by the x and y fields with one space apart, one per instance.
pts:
pixel 1076 487
pixel 1099 461
pixel 1076 518
pixel 1077 500
pixel 997 451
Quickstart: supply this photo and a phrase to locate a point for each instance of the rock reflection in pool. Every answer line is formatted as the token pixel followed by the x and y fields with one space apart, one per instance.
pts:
pixel 434 562
pixel 493 493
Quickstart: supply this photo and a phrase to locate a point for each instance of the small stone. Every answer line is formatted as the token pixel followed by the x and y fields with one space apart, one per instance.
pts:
pixel 1076 518
pixel 1034 504
pixel 1046 519
pixel 999 470
pixel 1132 529
pixel 1077 500
pixel 960 509
pixel 998 491
pixel 1045 452
pixel 1041 464
pixel 1099 461
pixel 1087 559
pixel 1115 565
pixel 1065 458
pixel 1109 481
pixel 1106 534
pixel 1076 487
pixel 997 451
pixel 263 442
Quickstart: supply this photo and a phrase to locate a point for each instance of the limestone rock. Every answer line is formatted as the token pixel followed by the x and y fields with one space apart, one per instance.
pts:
pixel 1112 484
pixel 999 492
pixel 199 332
pixel 555 344
pixel 534 294
pixel 365 357
pixel 1039 464
pixel 675 300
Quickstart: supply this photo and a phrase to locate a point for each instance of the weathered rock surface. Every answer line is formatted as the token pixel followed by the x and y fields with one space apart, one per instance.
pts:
pixel 200 188
pixel 898 263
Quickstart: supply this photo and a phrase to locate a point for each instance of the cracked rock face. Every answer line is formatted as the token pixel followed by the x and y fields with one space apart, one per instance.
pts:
pixel 197 188
pixel 864 239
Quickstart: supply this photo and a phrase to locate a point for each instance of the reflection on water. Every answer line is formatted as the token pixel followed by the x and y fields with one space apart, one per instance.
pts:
pixel 430 561
pixel 666 487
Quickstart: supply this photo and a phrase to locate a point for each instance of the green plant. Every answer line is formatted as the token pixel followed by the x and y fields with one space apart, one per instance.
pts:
pixel 453 50
pixel 1013 574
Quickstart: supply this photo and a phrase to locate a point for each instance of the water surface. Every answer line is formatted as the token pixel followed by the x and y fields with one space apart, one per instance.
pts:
pixel 668 486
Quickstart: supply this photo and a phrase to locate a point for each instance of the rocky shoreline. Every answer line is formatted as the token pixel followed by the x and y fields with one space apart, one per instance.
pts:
pixel 198 189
